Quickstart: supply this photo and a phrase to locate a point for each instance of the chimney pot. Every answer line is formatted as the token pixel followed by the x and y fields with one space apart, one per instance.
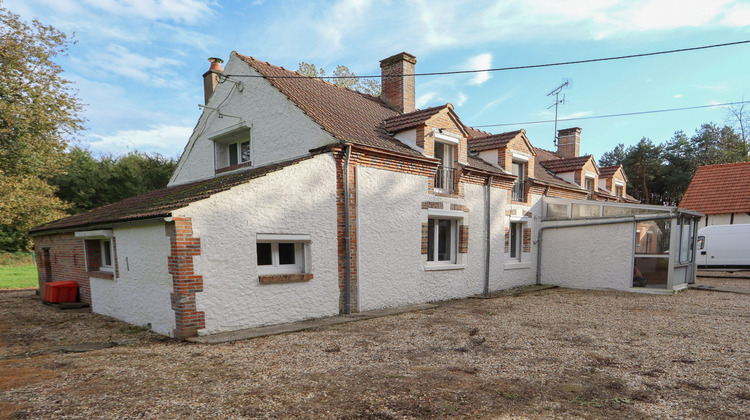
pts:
pixel 398 89
pixel 211 78
pixel 569 142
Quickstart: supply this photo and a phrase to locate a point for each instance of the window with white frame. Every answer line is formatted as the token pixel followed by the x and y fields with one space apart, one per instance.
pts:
pixel 589 185
pixel 232 147
pixel 282 254
pixel 105 247
pixel 445 150
pixel 442 240
pixel 516 240
pixel 239 153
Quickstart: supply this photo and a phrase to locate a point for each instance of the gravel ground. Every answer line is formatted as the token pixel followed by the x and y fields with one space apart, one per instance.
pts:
pixel 557 353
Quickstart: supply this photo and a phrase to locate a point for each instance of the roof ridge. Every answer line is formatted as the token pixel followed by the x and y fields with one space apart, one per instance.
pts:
pixel 244 57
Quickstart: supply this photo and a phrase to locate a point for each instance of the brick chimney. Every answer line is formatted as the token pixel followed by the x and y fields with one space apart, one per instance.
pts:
pixel 211 78
pixel 397 89
pixel 568 142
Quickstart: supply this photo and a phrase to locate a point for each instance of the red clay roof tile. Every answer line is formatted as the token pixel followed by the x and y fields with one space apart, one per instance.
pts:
pixel 486 141
pixel 412 119
pixel 566 165
pixel 719 189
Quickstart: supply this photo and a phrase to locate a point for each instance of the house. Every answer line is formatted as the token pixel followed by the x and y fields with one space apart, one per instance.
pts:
pixel 721 193
pixel 297 199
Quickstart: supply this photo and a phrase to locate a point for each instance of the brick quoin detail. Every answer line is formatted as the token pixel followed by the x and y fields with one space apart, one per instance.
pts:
pixel 425 243
pixel 527 240
pixel 507 240
pixel 460 207
pixel 185 283
pixel 432 205
pixel 463 239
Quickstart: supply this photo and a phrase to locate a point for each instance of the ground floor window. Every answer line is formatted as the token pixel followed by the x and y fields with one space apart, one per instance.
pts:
pixel 441 240
pixel 516 235
pixel 105 246
pixel 282 254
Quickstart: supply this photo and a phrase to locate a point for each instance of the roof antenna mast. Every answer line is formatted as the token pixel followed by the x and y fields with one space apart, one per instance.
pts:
pixel 558 101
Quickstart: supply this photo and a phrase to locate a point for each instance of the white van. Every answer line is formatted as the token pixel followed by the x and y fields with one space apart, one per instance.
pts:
pixel 724 246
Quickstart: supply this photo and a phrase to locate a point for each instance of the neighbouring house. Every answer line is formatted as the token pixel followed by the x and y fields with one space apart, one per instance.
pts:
pixel 721 193
pixel 297 199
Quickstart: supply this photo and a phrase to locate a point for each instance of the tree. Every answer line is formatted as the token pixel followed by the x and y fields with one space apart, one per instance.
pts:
pixel 344 78
pixel 739 116
pixel 643 167
pixel 615 157
pixel 681 165
pixel 88 183
pixel 39 116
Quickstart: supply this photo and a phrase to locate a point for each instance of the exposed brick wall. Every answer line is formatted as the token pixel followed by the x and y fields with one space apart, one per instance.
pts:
pixel 185 283
pixel 463 239
pixel 425 242
pixel 507 240
pixel 564 193
pixel 432 205
pixel 527 240
pixel 460 207
pixel 67 262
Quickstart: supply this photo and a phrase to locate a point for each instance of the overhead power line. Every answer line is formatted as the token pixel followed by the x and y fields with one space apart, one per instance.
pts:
pixel 532 66
pixel 625 114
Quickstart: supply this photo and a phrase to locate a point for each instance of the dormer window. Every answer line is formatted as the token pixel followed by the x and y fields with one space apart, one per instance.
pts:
pixel 232 148
pixel 518 193
pixel 239 153
pixel 445 151
pixel 589 185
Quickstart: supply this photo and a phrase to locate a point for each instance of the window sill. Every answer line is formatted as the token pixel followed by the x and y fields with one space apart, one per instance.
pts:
pixel 284 278
pixel 233 167
pixel 442 267
pixel 516 266
pixel 105 275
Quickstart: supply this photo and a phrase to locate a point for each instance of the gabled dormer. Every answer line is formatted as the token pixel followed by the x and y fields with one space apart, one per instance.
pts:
pixel 581 170
pixel 437 133
pixel 511 151
pixel 614 181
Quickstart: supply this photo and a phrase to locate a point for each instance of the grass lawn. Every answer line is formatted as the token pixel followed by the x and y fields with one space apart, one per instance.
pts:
pixel 19 277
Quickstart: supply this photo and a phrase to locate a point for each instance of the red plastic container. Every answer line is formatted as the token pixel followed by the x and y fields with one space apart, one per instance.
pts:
pixel 61 292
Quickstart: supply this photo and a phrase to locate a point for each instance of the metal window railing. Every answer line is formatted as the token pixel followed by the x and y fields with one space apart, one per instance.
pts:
pixel 444 178
pixel 518 193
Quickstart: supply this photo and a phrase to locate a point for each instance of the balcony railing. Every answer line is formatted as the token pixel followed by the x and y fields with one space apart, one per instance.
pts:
pixel 444 179
pixel 518 193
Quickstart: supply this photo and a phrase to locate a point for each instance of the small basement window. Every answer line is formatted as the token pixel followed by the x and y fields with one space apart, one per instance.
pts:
pixel 282 254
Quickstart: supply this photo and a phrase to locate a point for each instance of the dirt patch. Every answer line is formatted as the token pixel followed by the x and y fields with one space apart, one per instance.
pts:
pixel 556 353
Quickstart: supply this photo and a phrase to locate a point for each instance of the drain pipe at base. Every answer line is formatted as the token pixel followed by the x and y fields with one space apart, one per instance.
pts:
pixel 597 222
pixel 488 239
pixel 347 236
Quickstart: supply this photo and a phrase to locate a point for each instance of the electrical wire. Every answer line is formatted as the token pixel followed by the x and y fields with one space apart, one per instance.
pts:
pixel 624 114
pixel 532 66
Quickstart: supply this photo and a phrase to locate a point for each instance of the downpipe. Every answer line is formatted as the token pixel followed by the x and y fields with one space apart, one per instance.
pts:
pixel 488 237
pixel 347 237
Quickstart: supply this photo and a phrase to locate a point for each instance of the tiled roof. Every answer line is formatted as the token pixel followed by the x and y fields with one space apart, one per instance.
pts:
pixel 412 119
pixel 484 166
pixel 608 171
pixel 346 114
pixel 541 173
pixel 160 203
pixel 565 165
pixel 488 141
pixel 718 189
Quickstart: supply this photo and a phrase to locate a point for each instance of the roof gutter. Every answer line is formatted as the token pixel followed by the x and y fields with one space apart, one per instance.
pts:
pixel 591 222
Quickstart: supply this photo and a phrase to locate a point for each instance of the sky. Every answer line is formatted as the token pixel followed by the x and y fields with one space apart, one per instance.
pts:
pixel 137 64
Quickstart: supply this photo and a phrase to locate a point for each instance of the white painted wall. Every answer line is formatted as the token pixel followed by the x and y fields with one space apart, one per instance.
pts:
pixel 521 273
pixel 141 294
pixel 409 138
pixel 590 257
pixel 389 227
pixel 299 199
pixel 279 129
pixel 489 156
pixel 723 219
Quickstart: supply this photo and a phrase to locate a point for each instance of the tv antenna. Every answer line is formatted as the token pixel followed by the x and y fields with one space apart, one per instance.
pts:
pixel 558 101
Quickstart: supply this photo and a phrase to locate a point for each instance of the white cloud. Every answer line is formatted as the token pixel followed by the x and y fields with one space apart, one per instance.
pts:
pixel 425 99
pixel 678 96
pixel 479 62
pixel 165 139
pixel 460 99
pixel 154 71
pixel 187 11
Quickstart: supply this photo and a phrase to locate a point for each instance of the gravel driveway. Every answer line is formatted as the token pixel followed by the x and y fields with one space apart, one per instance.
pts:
pixel 554 353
